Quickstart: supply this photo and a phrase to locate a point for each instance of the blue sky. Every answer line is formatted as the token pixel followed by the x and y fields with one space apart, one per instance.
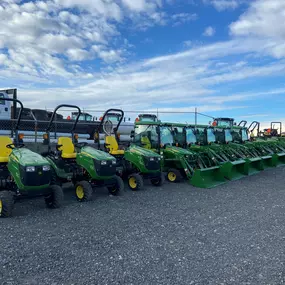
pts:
pixel 225 57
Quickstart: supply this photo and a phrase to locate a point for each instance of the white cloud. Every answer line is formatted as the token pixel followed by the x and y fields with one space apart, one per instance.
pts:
pixel 263 19
pixel 209 32
pixel 181 18
pixel 222 5
pixel 60 32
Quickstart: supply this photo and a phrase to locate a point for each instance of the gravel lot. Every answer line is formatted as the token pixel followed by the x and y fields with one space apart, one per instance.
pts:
pixel 177 234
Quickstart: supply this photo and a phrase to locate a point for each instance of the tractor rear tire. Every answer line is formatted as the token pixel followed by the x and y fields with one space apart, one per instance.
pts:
pixel 55 199
pixel 174 175
pixel 158 181
pixel 6 204
pixel 135 182
pixel 83 191
pixel 118 186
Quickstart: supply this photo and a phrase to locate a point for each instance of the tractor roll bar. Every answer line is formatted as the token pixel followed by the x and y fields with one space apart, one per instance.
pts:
pixel 102 121
pixel 244 122
pixel 21 109
pixel 64 106
pixel 254 124
pixel 109 111
pixel 277 123
pixel 15 101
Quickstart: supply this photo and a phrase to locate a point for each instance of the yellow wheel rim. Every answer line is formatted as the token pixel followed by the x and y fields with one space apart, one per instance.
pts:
pixel 133 182
pixel 1 206
pixel 171 176
pixel 79 192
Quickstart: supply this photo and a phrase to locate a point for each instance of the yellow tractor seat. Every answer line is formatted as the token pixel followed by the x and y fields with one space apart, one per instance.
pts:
pixel 66 147
pixel 4 151
pixel 112 144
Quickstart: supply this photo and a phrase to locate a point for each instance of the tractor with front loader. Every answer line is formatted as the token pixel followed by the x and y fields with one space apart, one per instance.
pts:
pixel 77 162
pixel 177 162
pixel 23 173
pixel 134 163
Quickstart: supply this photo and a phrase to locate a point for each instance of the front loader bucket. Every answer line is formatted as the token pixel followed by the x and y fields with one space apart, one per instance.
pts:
pixel 234 170
pixel 253 165
pixel 267 161
pixel 278 159
pixel 208 177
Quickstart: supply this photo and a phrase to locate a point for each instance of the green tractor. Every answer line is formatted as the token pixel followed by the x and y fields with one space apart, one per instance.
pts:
pixel 84 166
pixel 177 162
pixel 24 173
pixel 134 163
pixel 202 140
pixel 269 149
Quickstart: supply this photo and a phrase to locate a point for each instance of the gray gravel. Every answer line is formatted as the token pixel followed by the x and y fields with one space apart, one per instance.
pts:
pixel 232 234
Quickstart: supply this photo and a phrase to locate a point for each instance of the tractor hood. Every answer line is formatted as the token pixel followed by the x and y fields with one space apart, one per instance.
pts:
pixel 26 157
pixel 96 154
pixel 176 151
pixel 142 151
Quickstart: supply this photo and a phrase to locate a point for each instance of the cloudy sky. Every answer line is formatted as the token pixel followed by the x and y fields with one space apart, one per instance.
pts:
pixel 225 57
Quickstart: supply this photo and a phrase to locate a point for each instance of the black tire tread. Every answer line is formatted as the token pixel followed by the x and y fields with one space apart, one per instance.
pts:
pixel 119 186
pixel 56 197
pixel 88 191
pixel 158 181
pixel 177 173
pixel 139 180
pixel 7 199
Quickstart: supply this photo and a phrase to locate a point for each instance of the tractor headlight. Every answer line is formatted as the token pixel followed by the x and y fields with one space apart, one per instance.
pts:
pixel 46 168
pixel 103 162
pixel 30 169
pixel 151 158
pixel 159 159
pixel 113 161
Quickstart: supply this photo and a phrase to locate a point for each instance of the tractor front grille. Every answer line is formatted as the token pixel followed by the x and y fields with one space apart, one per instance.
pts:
pixel 152 164
pixel 107 169
pixel 36 178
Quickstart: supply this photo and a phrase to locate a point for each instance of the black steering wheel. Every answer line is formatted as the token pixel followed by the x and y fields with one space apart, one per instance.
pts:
pixel 12 146
pixel 81 144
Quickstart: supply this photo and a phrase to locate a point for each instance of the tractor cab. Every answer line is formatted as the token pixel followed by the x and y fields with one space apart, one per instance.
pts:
pixel 82 117
pixel 223 122
pixel 147 118
pixel 223 135
pixel 239 134
pixel 205 135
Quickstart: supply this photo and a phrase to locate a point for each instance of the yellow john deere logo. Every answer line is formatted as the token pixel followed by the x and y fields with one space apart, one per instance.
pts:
pixel 40 173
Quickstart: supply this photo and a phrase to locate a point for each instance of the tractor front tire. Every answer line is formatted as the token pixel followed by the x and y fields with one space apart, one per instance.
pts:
pixel 6 204
pixel 158 181
pixel 54 178
pixel 55 199
pixel 117 187
pixel 83 191
pixel 135 182
pixel 174 175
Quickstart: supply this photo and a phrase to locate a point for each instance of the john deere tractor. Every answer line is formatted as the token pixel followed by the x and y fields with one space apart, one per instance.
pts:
pixel 24 173
pixel 176 161
pixel 134 163
pixel 84 166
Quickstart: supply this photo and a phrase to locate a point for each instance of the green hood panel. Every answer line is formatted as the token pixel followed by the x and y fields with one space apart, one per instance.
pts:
pixel 96 154
pixel 176 150
pixel 142 151
pixel 26 157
